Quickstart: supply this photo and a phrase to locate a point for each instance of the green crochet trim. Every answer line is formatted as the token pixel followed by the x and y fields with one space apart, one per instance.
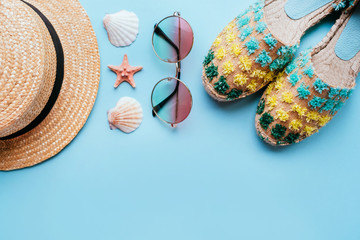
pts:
pixel 234 93
pixel 209 58
pixel 292 138
pixel 261 136
pixel 261 106
pixel 221 86
pixel 265 120
pixel 211 72
pixel 278 131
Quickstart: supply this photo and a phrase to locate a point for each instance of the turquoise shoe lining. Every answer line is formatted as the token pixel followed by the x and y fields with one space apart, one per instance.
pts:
pixel 297 9
pixel 348 44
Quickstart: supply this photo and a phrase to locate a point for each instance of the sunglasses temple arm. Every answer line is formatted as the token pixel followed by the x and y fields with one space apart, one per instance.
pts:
pixel 160 33
pixel 163 102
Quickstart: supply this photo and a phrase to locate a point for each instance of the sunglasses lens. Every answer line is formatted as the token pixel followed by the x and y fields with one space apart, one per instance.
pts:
pixel 171 100
pixel 173 39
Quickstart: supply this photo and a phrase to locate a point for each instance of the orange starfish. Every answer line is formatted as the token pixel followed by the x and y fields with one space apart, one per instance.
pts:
pixel 124 72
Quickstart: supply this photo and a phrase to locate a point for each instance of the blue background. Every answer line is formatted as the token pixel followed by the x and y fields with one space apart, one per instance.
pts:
pixel 211 178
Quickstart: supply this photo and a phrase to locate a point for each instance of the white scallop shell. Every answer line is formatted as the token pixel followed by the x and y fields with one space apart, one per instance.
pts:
pixel 126 116
pixel 122 27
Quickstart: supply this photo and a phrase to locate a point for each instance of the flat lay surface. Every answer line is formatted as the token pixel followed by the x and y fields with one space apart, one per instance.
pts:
pixel 209 178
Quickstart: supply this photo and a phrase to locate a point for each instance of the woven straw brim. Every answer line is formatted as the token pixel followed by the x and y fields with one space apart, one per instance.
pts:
pixel 77 95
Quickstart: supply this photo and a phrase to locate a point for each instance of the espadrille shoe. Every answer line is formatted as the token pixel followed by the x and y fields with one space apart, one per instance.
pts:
pixel 256 46
pixel 314 86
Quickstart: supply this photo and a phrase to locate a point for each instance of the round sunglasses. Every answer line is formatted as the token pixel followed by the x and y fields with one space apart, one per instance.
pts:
pixel 172 41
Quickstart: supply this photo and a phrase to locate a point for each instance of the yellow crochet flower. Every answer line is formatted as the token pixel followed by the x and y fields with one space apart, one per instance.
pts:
pixel 217 42
pixel 308 130
pixel 252 86
pixel 271 102
pixel 230 37
pixel 300 110
pixel 295 124
pixel 287 97
pixel 258 74
pixel 228 67
pixel 269 89
pixel 230 26
pixel 236 49
pixel 324 120
pixel 282 115
pixel 220 53
pixel 269 77
pixel 245 63
pixel 279 75
pixel 312 116
pixel 279 84
pixel 240 79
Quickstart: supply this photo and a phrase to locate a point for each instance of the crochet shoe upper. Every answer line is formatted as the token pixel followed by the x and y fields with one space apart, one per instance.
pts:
pixel 244 57
pixel 298 104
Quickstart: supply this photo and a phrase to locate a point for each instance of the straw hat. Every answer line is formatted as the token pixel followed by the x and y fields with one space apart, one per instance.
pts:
pixel 49 77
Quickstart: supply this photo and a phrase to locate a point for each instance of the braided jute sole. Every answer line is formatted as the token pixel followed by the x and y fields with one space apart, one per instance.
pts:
pixel 77 95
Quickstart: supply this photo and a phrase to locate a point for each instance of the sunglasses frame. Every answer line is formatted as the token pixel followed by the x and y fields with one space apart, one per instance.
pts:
pixel 175 14
pixel 155 112
pixel 178 69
